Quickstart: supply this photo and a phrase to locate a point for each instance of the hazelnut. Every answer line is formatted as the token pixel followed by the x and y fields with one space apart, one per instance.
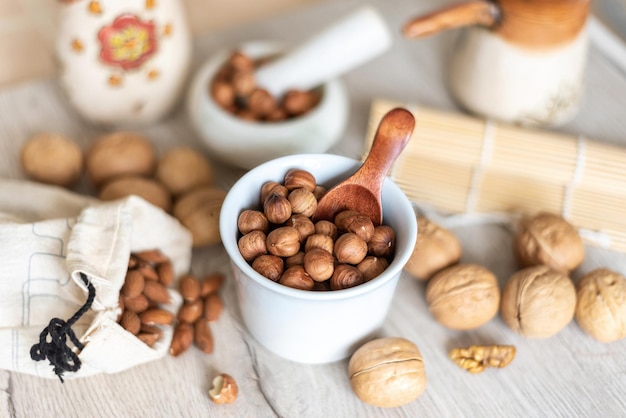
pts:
pixel 52 159
pixel 303 224
pixel 243 83
pixel 250 220
pixel 223 93
pixel 324 227
pixel 297 178
pixel 341 217
pixel 359 224
pixel 383 241
pixel 146 188
pixel 224 389
pixel 252 245
pixel 283 241
pixel 345 276
pixel 302 201
pixel 601 306
pixel 372 267
pixel 199 211
pixel 319 264
pixel 295 260
pixel 272 186
pixel 239 61
pixel 269 265
pixel 261 103
pixel 463 297
pixel 182 169
pixel 349 248
pixel 550 240
pixel 538 301
pixel 435 249
pixel 298 102
pixel 319 241
pixel 297 278
pixel 387 372
pixel 319 192
pixel 119 154
pixel 276 208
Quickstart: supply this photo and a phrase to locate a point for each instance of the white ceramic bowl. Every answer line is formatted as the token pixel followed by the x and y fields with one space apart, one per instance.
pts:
pixel 247 144
pixel 311 326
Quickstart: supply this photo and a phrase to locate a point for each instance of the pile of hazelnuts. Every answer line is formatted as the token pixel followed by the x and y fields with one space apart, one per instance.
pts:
pixel 283 243
pixel 235 90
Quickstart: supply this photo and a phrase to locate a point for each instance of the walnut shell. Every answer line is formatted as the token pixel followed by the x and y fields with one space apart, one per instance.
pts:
pixel 52 159
pixel 435 249
pixel 550 240
pixel 199 211
pixel 601 306
pixel 183 169
pixel 387 372
pixel 118 154
pixel 538 301
pixel 463 297
pixel 149 189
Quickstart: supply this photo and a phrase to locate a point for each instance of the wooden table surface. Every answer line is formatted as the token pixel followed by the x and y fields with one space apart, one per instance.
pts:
pixel 567 375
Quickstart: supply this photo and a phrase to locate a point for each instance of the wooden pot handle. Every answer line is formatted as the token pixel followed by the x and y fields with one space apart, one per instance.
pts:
pixel 475 12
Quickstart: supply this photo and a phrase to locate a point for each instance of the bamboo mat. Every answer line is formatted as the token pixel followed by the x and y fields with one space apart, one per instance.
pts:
pixel 462 164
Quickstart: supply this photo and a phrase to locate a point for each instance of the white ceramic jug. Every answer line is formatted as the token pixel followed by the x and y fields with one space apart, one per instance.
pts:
pixel 519 61
pixel 123 61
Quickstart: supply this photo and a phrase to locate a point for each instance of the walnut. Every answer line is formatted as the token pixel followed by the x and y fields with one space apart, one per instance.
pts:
pixel 182 169
pixel 463 297
pixel 146 188
pixel 199 211
pixel 550 240
pixel 435 249
pixel 387 372
pixel 52 159
pixel 476 358
pixel 538 301
pixel 601 306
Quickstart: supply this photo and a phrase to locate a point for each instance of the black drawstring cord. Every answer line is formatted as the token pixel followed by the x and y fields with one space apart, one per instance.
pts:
pixel 56 350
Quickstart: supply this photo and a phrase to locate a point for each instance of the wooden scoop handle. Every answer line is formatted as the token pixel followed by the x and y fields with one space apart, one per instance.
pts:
pixel 391 137
pixel 475 12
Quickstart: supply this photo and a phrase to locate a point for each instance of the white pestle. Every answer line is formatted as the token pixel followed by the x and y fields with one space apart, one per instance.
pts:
pixel 341 47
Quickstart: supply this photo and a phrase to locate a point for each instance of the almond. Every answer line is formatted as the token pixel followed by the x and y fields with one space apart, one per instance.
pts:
pixel 182 339
pixel 149 273
pixel 133 284
pixel 166 273
pixel 151 329
pixel 156 316
pixel 148 339
pixel 151 256
pixel 213 306
pixel 130 322
pixel 203 337
pixel 156 292
pixel 137 304
pixel 132 262
pixel 211 283
pixel 189 288
pixel 191 311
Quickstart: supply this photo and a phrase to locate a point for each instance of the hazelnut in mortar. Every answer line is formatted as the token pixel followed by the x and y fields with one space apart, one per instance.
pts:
pixel 463 297
pixel 387 372
pixel 435 249
pixel 550 240
pixel 601 305
pixel 52 159
pixel 538 301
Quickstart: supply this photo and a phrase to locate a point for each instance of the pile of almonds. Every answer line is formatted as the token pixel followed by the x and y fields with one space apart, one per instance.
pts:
pixel 145 290
pixel 234 89
pixel 149 275
pixel 202 305
pixel 282 243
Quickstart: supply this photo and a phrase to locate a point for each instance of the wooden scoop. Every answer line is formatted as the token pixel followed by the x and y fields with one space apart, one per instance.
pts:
pixel 362 190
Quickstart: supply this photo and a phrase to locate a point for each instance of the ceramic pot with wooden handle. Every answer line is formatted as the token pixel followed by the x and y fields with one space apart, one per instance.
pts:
pixel 518 61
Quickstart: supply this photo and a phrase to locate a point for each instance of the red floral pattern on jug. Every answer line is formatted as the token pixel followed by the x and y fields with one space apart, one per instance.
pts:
pixel 127 42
